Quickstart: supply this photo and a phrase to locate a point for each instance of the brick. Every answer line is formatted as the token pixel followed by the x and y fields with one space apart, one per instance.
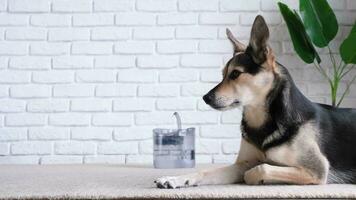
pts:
pixel 178 76
pixel 337 5
pixel 146 147
pixel 118 148
pixel 71 6
pixel 154 118
pixel 53 76
pixel 133 133
pixel 69 119
pixel 93 20
pixel 231 146
pixel 68 34
pixel 73 62
pixel 91 105
pixel 49 49
pixel 13 134
pixel 203 159
pixel 14 77
pixel 207 146
pixel 134 47
pixel 137 76
pixel 176 104
pixel 25 34
pixel 177 19
pixel 25 120
pixel 113 5
pixel 105 159
pixel 139 159
pixel 30 63
pixel 92 48
pixel 241 32
pixel 217 46
pixel 351 5
pixel 47 106
pixel 13 19
pixel 239 5
pixel 3 5
pixel 19 160
pixel 73 90
pixel 177 46
pixel 117 61
pixel 92 133
pixel 119 90
pixel 218 18
pixel 4 149
pixel 152 33
pixel 12 105
pixel 29 6
pixel 158 91
pixel 4 62
pixel 31 148
pixel 30 91
pixel 198 5
pixel 51 20
pixel 130 104
pixel 271 18
pixel 74 148
pixel 211 76
pixel 4 91
pixel 135 19
pixel 93 76
pixel 109 33
pixel 156 5
pixel 193 117
pixel 48 133
pixel 157 61
pixel 201 60
pixel 231 117
pixel 117 119
pixel 221 131
pixel 48 160
pixel 194 89
pixel 196 32
pixel 13 48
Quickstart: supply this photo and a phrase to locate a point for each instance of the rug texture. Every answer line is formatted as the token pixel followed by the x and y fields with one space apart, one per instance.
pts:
pixel 136 182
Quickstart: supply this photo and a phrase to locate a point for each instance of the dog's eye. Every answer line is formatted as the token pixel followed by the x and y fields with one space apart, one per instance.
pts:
pixel 234 74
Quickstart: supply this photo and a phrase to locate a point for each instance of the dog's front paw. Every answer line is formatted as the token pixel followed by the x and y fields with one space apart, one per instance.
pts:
pixel 171 182
pixel 256 175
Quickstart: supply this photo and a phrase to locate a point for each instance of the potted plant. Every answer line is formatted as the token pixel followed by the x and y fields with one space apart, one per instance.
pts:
pixel 316 26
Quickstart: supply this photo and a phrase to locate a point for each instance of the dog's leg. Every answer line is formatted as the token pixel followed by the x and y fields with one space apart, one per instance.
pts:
pixel 270 174
pixel 248 157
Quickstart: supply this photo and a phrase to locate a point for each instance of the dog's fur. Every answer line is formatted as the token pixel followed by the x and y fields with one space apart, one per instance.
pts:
pixel 286 139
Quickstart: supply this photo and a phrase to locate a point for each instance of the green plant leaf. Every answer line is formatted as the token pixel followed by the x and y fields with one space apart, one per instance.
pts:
pixel 348 47
pixel 300 39
pixel 319 20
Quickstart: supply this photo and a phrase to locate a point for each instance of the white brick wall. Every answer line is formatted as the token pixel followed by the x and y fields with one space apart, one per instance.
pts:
pixel 86 81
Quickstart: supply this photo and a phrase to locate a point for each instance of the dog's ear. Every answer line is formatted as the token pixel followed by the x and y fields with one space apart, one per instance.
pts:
pixel 258 45
pixel 238 46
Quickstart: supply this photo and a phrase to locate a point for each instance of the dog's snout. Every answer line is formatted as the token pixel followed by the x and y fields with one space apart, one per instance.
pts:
pixel 208 98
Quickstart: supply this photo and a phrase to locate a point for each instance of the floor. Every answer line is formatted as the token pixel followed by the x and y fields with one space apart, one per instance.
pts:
pixel 122 182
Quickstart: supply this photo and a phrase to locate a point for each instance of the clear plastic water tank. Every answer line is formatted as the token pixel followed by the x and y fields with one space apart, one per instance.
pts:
pixel 174 148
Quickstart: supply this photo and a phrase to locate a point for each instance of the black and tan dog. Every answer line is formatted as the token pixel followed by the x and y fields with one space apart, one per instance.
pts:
pixel 286 139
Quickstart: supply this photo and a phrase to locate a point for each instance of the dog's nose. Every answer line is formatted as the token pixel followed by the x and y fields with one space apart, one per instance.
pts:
pixel 208 98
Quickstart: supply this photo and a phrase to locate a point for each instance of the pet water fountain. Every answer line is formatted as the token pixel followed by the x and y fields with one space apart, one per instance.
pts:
pixel 174 148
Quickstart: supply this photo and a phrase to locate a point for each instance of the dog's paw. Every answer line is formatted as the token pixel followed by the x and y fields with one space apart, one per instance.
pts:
pixel 172 182
pixel 256 175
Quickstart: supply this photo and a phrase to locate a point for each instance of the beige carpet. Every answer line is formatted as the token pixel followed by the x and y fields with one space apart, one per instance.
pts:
pixel 113 181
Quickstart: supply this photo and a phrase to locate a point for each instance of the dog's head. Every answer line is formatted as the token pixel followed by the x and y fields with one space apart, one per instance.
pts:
pixel 248 76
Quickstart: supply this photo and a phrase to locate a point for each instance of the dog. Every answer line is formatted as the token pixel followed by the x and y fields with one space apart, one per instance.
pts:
pixel 286 138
